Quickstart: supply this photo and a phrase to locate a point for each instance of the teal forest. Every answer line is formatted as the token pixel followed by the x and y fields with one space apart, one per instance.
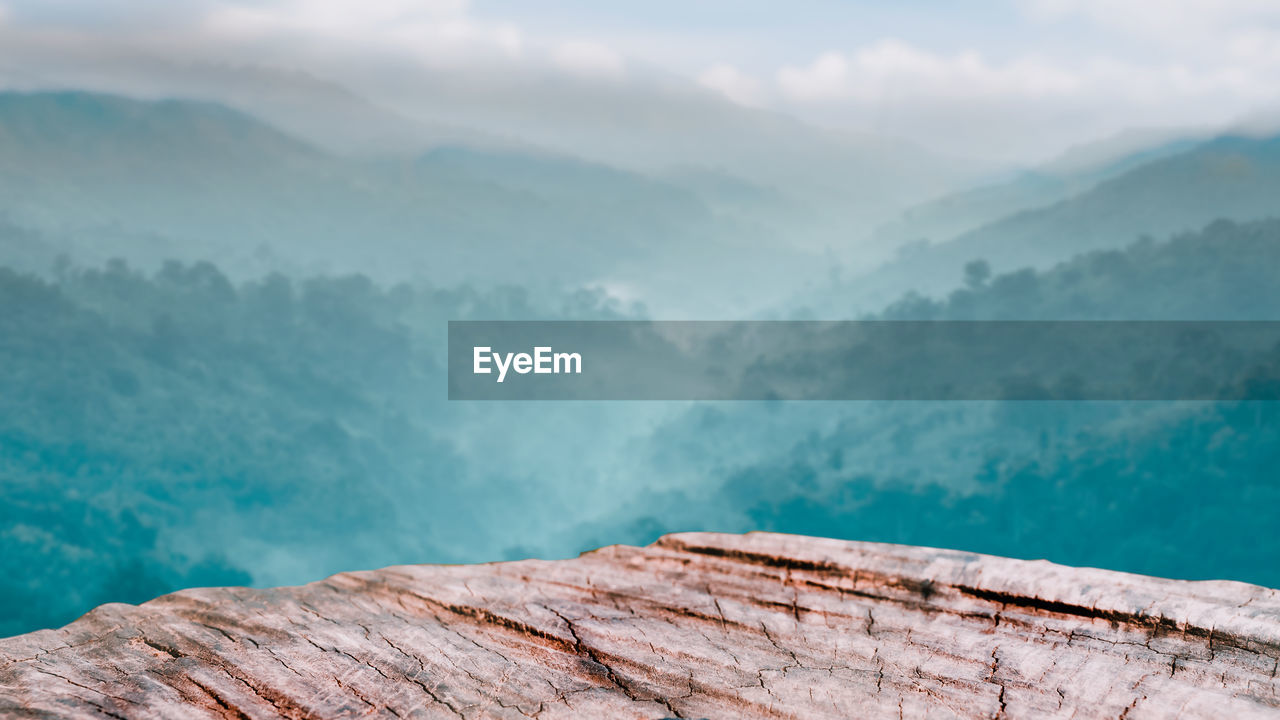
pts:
pixel 223 348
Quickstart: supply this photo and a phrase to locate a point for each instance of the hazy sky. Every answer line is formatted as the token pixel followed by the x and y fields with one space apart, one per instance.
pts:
pixel 1017 78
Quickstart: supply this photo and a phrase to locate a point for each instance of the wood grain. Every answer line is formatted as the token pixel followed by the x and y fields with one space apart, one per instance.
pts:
pixel 695 626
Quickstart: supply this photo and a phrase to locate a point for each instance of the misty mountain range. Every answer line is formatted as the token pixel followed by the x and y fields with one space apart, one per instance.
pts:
pixel 1172 190
pixel 225 321
pixel 97 176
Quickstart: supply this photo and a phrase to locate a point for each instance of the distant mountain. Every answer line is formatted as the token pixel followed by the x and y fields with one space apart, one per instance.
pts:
pixel 733 194
pixel 313 108
pixel 99 176
pixel 652 121
pixel 322 112
pixel 657 123
pixel 644 120
pixel 79 130
pixel 1076 171
pixel 1231 177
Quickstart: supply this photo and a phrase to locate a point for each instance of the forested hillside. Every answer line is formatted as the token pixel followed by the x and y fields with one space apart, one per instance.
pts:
pixel 1178 489
pixel 150 421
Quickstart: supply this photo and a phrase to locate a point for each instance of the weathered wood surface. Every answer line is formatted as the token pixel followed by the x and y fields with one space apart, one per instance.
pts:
pixel 695 626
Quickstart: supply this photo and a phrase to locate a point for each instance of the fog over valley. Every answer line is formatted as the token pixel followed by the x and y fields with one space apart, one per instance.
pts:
pixel 232 236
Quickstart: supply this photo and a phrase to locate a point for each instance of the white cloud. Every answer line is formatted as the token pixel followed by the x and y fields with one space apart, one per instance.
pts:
pixel 588 58
pixel 1059 71
pixel 338 16
pixel 510 39
pixel 732 83
pixel 893 69
pixel 1027 103
pixel 1201 26
pixel 826 78
pixel 429 29
pixel 1139 14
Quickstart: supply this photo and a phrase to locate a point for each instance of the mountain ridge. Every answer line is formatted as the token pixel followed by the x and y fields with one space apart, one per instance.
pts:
pixel 1233 177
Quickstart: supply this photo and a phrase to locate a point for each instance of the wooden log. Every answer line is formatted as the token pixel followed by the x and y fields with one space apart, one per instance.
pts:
pixel 697 625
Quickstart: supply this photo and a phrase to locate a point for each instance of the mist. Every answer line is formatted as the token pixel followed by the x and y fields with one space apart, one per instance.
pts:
pixel 232 235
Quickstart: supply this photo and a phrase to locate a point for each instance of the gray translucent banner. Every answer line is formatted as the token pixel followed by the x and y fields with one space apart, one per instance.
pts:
pixel 857 360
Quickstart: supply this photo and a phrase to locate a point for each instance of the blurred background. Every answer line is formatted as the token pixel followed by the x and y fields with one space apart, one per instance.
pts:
pixel 232 232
